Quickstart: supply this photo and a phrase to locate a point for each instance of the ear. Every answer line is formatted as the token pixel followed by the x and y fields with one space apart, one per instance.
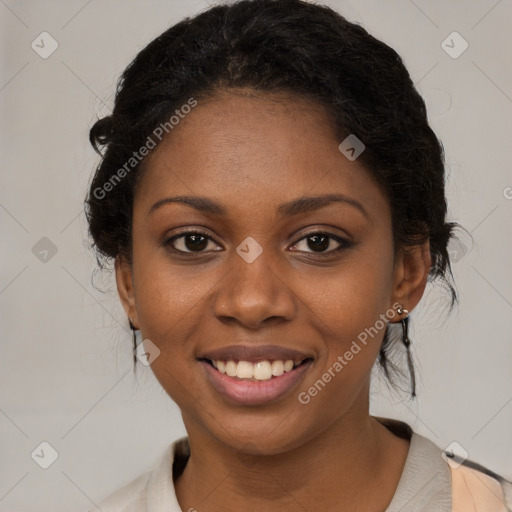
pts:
pixel 125 288
pixel 412 267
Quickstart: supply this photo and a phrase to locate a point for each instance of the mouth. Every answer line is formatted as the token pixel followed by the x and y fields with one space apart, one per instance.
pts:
pixel 255 371
pixel 251 375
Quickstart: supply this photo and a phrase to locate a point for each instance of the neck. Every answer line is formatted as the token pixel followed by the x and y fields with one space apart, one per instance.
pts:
pixel 357 462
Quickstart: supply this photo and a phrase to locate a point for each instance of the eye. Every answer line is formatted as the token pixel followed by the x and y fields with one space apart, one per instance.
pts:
pixel 321 244
pixel 190 242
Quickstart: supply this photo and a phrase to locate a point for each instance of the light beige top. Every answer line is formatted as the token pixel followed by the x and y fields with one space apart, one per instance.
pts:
pixel 428 483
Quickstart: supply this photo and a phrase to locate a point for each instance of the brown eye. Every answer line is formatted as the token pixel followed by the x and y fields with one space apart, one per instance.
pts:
pixel 189 241
pixel 321 243
pixel 318 243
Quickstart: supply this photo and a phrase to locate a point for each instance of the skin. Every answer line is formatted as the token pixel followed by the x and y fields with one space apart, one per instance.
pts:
pixel 252 152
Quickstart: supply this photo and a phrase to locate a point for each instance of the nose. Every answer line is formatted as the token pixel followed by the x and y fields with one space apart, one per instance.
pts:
pixel 254 294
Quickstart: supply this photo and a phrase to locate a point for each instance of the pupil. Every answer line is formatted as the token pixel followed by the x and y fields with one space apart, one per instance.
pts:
pixel 321 242
pixel 198 242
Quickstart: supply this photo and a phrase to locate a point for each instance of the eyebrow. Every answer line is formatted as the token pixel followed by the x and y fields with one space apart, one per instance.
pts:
pixel 295 207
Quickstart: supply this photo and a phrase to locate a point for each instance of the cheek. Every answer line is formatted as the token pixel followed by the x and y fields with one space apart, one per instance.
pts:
pixel 352 312
pixel 167 296
pixel 169 303
pixel 169 319
pixel 353 298
pixel 174 310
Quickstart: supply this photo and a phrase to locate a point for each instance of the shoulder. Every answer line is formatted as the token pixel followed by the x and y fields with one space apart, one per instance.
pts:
pixel 152 490
pixel 444 481
pixel 129 498
pixel 474 487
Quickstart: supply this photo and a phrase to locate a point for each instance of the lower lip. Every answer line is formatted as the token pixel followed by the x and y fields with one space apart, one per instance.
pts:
pixel 247 392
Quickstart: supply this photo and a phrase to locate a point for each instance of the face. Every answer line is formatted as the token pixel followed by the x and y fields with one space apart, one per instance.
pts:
pixel 280 255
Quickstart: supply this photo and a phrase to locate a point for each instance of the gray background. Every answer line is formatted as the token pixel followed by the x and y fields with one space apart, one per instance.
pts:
pixel 65 363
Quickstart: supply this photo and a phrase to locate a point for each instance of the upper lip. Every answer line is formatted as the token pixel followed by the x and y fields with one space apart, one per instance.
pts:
pixel 254 353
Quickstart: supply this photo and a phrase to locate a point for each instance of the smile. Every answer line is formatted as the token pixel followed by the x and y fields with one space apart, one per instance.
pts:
pixel 259 371
pixel 255 383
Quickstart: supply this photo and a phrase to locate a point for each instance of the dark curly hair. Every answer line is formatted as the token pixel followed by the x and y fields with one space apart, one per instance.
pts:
pixel 288 46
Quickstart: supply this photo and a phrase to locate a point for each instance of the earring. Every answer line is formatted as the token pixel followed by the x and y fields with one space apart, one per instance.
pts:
pixel 407 343
pixel 134 340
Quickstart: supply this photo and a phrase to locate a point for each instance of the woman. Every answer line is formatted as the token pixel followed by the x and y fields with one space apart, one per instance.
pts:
pixel 273 198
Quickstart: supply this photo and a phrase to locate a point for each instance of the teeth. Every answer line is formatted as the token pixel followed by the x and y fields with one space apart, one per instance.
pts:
pixel 277 368
pixel 288 365
pixel 245 370
pixel 231 369
pixel 262 370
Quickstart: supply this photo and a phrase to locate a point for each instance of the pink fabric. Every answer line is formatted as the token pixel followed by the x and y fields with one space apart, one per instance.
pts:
pixel 473 491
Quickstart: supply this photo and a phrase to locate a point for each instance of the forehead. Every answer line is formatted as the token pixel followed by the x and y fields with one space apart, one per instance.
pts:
pixel 255 148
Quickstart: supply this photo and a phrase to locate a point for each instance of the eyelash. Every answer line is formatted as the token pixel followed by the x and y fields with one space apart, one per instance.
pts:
pixel 344 243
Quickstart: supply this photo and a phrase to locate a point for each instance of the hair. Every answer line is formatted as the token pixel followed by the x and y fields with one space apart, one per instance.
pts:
pixel 279 46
